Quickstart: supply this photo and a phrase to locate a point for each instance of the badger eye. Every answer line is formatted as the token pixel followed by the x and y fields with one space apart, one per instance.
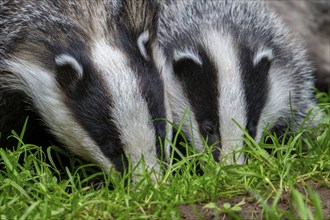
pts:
pixel 69 70
pixel 208 128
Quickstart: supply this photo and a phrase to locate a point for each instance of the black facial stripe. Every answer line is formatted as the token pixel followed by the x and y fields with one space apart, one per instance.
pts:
pixel 92 104
pixel 256 86
pixel 200 84
pixel 150 83
pixel 153 92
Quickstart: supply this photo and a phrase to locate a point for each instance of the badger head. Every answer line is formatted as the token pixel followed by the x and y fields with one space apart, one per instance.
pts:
pixel 87 71
pixel 235 67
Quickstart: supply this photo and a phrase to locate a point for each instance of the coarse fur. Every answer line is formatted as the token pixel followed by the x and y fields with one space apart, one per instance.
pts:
pixel 232 61
pixel 80 70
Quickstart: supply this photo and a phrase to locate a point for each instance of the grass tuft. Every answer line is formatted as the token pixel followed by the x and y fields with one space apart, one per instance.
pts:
pixel 279 180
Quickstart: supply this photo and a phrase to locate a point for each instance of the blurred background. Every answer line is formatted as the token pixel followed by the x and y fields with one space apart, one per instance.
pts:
pixel 311 20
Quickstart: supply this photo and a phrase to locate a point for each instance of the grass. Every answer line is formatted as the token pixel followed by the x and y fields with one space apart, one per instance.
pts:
pixel 279 184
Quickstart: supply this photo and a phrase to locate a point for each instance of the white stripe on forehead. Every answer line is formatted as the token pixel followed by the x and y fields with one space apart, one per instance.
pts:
pixel 130 110
pixel 232 103
pixel 40 85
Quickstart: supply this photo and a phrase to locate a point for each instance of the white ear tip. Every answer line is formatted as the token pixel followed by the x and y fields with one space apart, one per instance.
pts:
pixel 187 54
pixel 141 41
pixel 268 53
pixel 65 59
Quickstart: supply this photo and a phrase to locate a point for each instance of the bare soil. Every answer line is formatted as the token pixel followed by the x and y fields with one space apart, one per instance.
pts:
pixel 251 209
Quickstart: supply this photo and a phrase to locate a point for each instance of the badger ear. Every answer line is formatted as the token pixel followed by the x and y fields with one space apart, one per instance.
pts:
pixel 141 42
pixel 139 17
pixel 263 57
pixel 68 62
pixel 180 55
pixel 185 63
pixel 68 71
pixel 262 60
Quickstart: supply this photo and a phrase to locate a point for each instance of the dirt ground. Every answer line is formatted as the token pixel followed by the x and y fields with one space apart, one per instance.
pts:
pixel 251 209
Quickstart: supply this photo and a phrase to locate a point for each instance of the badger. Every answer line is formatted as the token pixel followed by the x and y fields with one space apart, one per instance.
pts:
pixel 236 67
pixel 84 73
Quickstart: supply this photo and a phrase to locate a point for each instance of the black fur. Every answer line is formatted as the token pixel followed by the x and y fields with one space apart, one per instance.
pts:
pixel 14 111
pixel 256 86
pixel 200 83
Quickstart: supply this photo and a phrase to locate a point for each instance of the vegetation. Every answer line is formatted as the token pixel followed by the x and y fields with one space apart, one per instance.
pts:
pixel 284 183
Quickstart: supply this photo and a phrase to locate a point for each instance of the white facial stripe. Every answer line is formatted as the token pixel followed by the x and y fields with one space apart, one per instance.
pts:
pixel 65 59
pixel 178 101
pixel 141 42
pixel 268 53
pixel 130 110
pixel 41 86
pixel 232 103
pixel 187 54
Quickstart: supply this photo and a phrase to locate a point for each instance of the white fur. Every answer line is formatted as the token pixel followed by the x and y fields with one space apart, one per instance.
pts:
pixel 141 41
pixel 130 110
pixel 187 54
pixel 65 59
pixel 232 104
pixel 261 54
pixel 41 86
pixel 178 101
